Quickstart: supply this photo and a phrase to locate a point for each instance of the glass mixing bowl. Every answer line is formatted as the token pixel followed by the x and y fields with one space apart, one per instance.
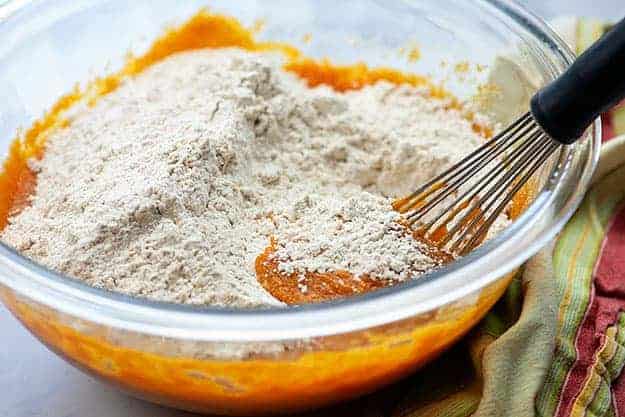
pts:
pixel 262 361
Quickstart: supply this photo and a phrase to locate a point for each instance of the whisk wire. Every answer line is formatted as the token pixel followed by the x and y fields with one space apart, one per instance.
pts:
pixel 471 194
pixel 479 235
pixel 496 151
pixel 518 162
pixel 457 208
pixel 415 199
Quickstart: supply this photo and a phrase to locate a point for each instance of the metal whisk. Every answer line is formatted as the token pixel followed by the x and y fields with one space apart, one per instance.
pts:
pixel 456 209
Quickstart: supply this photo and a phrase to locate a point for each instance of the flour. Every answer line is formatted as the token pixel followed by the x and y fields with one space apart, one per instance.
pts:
pixel 358 234
pixel 172 185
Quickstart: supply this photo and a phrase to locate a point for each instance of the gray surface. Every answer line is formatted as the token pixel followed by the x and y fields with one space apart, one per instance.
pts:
pixel 36 383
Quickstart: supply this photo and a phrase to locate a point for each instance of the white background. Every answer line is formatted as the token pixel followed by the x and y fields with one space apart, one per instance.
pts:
pixel 36 383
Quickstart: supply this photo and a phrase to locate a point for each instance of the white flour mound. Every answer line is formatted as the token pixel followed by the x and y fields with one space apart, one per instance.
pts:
pixel 358 234
pixel 172 185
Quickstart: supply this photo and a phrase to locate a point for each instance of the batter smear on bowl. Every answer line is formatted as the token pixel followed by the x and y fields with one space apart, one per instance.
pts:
pixel 218 170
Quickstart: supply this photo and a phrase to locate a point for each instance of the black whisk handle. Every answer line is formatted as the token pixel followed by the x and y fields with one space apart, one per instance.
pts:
pixel 592 85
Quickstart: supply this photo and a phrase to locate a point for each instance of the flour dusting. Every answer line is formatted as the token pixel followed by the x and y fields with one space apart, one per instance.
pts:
pixel 359 234
pixel 172 185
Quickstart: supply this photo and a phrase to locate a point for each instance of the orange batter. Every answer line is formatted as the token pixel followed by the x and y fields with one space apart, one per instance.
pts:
pixel 320 286
pixel 324 286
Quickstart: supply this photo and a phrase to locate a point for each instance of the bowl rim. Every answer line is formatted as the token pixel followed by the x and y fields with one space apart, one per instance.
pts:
pixel 457 281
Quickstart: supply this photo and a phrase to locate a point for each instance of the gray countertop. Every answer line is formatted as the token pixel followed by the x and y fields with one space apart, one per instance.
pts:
pixel 36 383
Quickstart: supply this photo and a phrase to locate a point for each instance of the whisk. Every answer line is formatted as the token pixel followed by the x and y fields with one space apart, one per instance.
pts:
pixel 456 209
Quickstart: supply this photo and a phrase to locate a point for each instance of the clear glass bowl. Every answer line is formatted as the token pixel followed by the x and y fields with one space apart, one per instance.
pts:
pixel 255 362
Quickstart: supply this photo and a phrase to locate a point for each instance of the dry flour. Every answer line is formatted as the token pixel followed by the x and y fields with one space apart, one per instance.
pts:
pixel 172 185
pixel 359 234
